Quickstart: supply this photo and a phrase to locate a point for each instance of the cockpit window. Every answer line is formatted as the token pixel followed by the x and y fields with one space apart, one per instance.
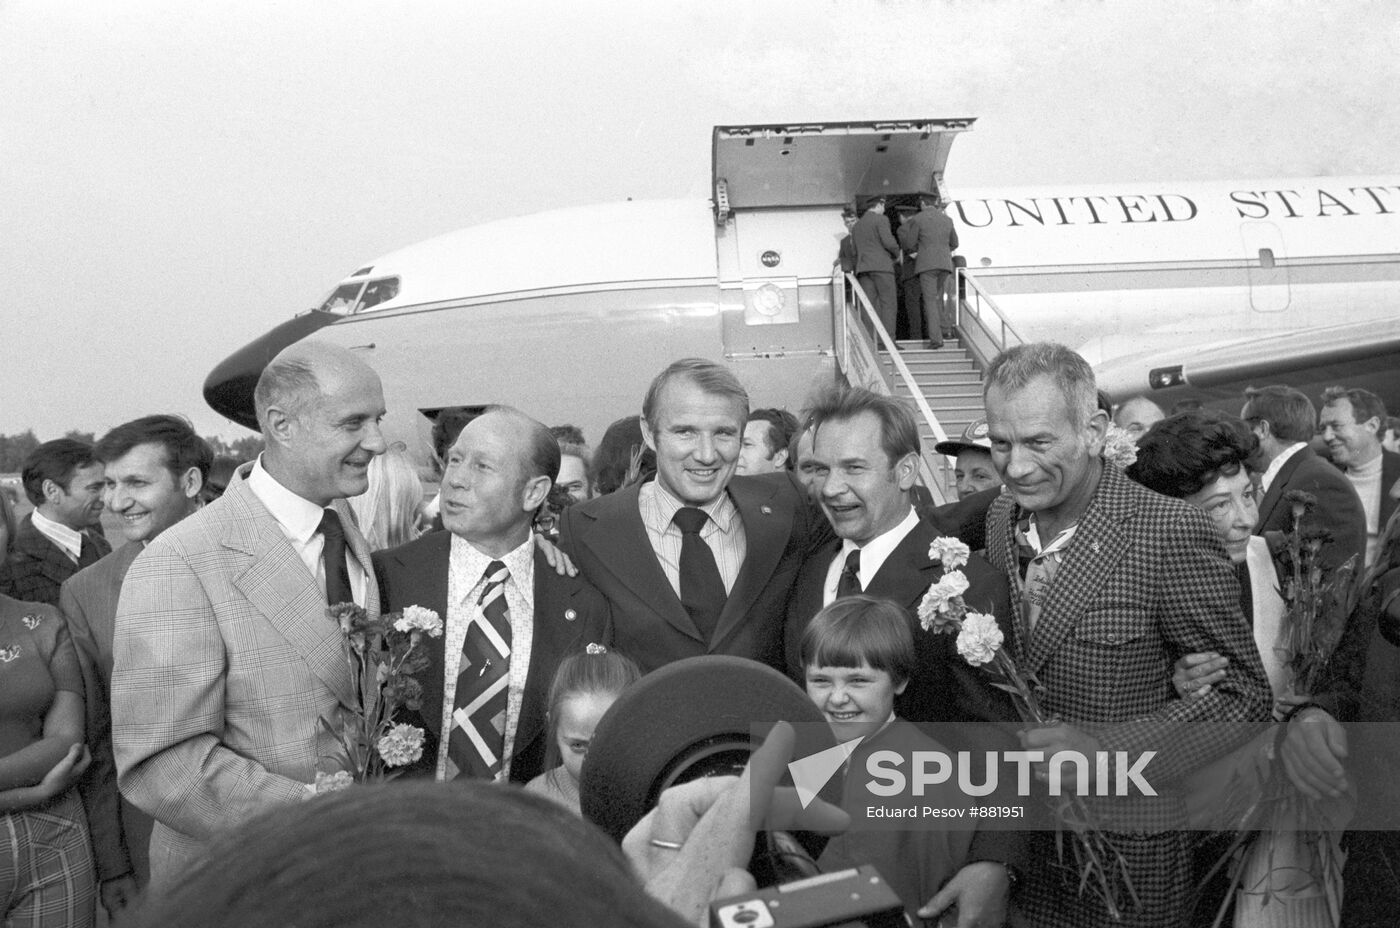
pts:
pixel 342 298
pixel 378 291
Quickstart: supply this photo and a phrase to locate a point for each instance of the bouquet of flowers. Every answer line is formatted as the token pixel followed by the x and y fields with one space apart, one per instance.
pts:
pixel 383 654
pixel 1301 856
pixel 1099 866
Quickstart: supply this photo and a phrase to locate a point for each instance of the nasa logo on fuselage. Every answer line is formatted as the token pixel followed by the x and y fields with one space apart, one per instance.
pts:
pixel 770 258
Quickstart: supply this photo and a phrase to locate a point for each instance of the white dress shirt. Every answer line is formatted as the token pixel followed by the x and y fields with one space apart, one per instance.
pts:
pixel 466 580
pixel 724 533
pixel 300 521
pixel 70 541
pixel 1266 479
pixel 872 555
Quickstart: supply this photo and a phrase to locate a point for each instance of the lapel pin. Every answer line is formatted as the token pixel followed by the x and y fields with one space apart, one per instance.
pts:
pixel 1094 546
pixel 766 510
pixel 570 615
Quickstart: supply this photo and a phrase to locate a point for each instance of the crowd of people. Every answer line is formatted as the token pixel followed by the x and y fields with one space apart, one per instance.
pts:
pixel 163 732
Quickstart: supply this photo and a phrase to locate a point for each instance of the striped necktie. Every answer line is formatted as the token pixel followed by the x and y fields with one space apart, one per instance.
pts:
pixel 476 747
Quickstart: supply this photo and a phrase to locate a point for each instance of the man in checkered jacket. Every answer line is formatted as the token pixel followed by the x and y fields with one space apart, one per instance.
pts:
pixel 1115 582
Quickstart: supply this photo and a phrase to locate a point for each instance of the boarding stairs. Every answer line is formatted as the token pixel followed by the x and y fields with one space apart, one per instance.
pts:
pixel 942 385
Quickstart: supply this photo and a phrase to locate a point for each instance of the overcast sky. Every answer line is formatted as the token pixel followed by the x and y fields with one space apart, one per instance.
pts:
pixel 176 178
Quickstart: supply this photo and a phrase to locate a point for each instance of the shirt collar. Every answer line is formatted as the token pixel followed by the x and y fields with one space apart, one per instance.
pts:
pixel 1267 478
pixel 721 510
pixel 520 561
pixel 1371 468
pixel 70 540
pixel 298 516
pixel 875 551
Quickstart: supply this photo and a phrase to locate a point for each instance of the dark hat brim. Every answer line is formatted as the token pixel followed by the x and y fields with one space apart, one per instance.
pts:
pixel 954 447
pixel 684 710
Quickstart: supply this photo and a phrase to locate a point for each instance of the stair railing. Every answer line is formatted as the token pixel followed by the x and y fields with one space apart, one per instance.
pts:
pixel 863 369
pixel 983 326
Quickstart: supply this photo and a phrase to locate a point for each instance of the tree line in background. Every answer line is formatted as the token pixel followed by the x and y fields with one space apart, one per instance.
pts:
pixel 15 448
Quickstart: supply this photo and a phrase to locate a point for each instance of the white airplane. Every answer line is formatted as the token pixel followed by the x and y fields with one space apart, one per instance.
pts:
pixel 1169 288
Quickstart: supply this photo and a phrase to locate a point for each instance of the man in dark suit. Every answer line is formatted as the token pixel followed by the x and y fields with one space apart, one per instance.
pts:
pixel 696 561
pixel 1115 583
pixel 846 251
pixel 1351 422
pixel 155 470
pixel 508 617
pixel 63 534
pixel 876 251
pixel 1284 419
pixel 867 451
pixel 931 238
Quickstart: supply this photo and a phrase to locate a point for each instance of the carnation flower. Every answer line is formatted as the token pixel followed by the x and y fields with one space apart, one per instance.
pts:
pixel 347 615
pixel 1119 449
pixel 422 618
pixel 979 639
pixel 949 552
pixel 333 782
pixel 403 744
pixel 940 600
pixel 594 648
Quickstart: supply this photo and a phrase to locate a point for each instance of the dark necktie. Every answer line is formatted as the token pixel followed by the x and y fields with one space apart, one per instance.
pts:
pixel 476 746
pixel 333 557
pixel 849 583
pixel 93 549
pixel 702 587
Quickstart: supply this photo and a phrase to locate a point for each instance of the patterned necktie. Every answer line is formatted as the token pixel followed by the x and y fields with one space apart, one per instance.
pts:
pixel 333 559
pixel 477 743
pixel 702 587
pixel 849 582
pixel 92 549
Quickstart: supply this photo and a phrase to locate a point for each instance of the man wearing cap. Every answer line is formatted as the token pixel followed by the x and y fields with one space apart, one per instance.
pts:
pixel 973 470
pixel 931 238
pixel 508 617
pixel 876 251
pixel 867 450
pixel 696 561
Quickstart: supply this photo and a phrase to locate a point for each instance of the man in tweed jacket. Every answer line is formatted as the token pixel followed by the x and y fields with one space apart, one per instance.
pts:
pixel 1115 583
pixel 225 659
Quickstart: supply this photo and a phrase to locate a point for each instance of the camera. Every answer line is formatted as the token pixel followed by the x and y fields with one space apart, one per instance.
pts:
pixel 858 897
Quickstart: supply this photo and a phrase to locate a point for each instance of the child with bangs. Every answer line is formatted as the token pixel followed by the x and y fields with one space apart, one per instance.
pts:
pixel 859 654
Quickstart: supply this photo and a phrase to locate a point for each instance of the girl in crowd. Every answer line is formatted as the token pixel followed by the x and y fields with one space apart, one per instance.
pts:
pixel 859 654
pixel 1199 456
pixel 46 874
pixel 585 686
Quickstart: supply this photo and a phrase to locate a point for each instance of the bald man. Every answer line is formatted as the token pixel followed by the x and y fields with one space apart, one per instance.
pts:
pixel 224 657
pixel 1135 416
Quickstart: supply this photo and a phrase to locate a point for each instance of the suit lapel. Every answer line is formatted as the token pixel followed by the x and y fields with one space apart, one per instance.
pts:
pixel 555 628
pixel 767 525
pixel 632 562
pixel 1279 485
pixel 1096 547
pixel 277 584
pixel 908 571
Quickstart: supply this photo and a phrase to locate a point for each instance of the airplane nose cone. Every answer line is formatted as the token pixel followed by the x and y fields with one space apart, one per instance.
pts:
pixel 229 387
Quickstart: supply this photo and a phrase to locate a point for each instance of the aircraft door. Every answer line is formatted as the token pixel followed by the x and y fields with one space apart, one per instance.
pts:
pixel 1268 275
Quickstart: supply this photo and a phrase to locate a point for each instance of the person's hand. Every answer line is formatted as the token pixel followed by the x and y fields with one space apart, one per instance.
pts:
pixel 693 847
pixel 1052 739
pixel 561 562
pixel 65 773
pixel 1196 673
pixel 1313 748
pixel 118 894
pixel 982 893
pixel 56 782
